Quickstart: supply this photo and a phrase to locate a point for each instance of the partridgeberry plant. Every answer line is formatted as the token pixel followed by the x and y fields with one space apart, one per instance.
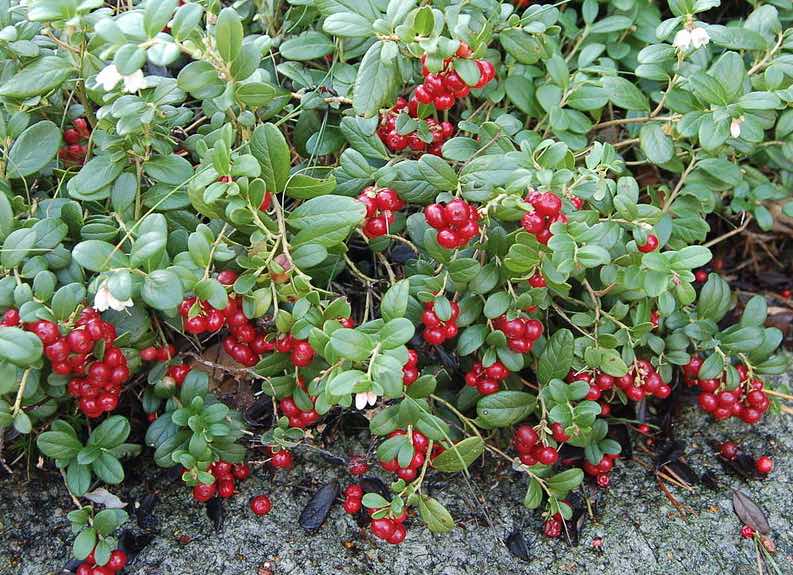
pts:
pixel 485 226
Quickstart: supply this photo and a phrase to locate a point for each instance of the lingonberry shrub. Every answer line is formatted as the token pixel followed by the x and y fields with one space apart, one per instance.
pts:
pixel 484 226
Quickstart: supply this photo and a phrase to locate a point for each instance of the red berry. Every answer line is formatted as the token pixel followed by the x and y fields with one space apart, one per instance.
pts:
pixel 117 561
pixel 546 455
pixel 226 487
pixel 261 505
pixel 448 239
pixel 602 480
pixel 728 450
pixel 388 199
pixel 557 429
pixel 650 245
pixel 764 465
pixel 435 216
pixel 352 505
pixel 375 227
pixel 282 459
pixel 423 95
pixel 11 318
pixel 434 336
pixel 241 471
pixel 443 102
pixel 747 532
pixel 548 204
pixel 457 211
pixel 537 280
pixel 196 325
pixel 399 534
pixel 84 568
pixel 357 465
pixel 266 201
pixel 383 528
pixel 227 277
pixel 700 276
pixel 525 438
pixel 203 492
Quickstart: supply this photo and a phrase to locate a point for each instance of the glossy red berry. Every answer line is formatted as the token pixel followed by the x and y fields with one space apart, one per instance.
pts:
pixel 649 245
pixel 203 492
pixel 117 561
pixel 764 465
pixel 261 505
pixel 227 277
pixel 728 450
pixel 282 459
pixel 383 528
pixel 747 532
pixel 241 471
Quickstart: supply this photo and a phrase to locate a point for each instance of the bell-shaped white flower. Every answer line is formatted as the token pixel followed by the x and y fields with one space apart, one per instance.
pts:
pixel 104 300
pixel 735 127
pixel 699 37
pixel 134 82
pixel 109 77
pixel 682 40
pixel 364 399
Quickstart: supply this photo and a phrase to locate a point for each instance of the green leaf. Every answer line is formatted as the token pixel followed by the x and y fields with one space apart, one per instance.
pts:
pixel 309 45
pixel 624 94
pixel 435 515
pixel 460 455
pixel 58 445
pixel 84 543
pixel 437 172
pixel 344 383
pixel 22 348
pixel 504 408
pixel 352 344
pixel 497 304
pixel 327 211
pixel 162 289
pixel 228 34
pixel 270 148
pixel 110 433
pixel 93 179
pixel 376 82
pixel 396 332
pixel 16 246
pixel 347 25
pixel 33 149
pixel 98 256
pixel 714 299
pixel 395 300
pixel 108 469
pixel 557 357
pixel 44 75
pixel 656 145
pixel 564 482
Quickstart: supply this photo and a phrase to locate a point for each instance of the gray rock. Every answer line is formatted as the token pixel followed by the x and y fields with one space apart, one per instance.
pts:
pixel 641 531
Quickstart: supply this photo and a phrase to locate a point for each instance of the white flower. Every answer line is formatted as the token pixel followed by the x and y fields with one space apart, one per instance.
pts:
pixel 699 37
pixel 109 77
pixel 735 127
pixel 682 40
pixel 134 81
pixel 365 398
pixel 104 300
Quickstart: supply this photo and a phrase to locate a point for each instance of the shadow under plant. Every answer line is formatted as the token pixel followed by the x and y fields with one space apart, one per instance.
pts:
pixel 636 527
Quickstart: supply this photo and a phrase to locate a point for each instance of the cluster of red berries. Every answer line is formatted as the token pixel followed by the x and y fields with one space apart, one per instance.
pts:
pixel 640 381
pixel 75 150
pixel 547 210
pixel 521 333
pixel 747 402
pixel 420 445
pixel 530 450
pixel 245 344
pixel 353 497
pixel 443 88
pixel 390 530
pixel 381 206
pixel 152 353
pixel 226 475
pixel 96 382
pixel 116 562
pixel 601 471
pixel 297 417
pixel 436 331
pixel 410 371
pixel 457 222
pixel 301 354
pixel 763 464
pixel 207 319
pixel 281 459
pixel 486 380
pixel 396 142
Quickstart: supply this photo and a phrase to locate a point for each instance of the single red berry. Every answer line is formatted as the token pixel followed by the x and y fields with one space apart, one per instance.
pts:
pixel 602 480
pixel 227 277
pixel 700 276
pixel 261 505
pixel 352 505
pixel 548 205
pixel 357 465
pixel 747 532
pixel 728 450
pixel 203 492
pixel 354 491
pixel 764 465
pixel 537 280
pixel 266 200
pixel 84 568
pixel 399 534
pixel 650 245
pixel 557 429
pixel 117 561
pixel 241 471
pixel 383 528
pixel 546 455
pixel 435 216
pixel 282 459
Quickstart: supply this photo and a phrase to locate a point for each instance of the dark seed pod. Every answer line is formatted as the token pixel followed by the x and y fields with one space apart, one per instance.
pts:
pixel 316 510
pixel 517 545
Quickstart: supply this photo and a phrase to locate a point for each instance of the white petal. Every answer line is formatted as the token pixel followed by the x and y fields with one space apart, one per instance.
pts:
pixel 360 401
pixel 134 81
pixel 699 37
pixel 108 77
pixel 101 299
pixel 371 398
pixel 735 128
pixel 682 39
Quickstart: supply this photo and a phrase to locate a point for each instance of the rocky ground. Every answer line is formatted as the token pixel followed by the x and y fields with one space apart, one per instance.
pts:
pixel 641 530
